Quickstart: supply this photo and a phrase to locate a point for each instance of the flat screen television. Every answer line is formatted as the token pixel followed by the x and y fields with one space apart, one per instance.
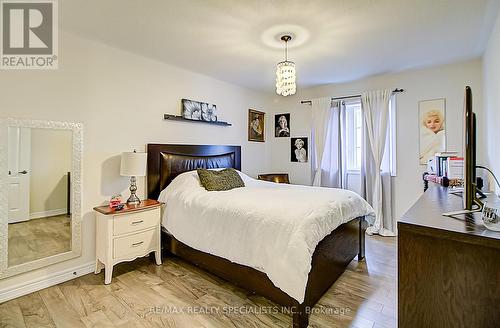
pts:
pixel 471 202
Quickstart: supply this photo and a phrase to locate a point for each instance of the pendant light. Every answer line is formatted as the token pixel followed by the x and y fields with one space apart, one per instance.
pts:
pixel 285 73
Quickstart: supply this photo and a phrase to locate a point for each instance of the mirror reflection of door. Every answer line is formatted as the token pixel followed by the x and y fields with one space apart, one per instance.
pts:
pixel 39 164
pixel 19 152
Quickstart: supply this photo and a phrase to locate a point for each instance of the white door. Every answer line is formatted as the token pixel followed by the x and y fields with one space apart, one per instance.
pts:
pixel 19 165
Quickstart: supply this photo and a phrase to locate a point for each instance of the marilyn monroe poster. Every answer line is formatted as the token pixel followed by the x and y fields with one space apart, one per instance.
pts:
pixel 282 125
pixel 432 128
pixel 298 149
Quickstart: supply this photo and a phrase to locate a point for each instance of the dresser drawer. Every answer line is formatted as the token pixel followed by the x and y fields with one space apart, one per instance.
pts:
pixel 127 223
pixel 135 245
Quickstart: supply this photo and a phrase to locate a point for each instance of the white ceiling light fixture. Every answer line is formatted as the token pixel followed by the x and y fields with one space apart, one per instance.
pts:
pixel 285 73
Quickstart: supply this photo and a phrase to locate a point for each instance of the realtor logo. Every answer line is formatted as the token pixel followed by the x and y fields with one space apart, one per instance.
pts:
pixel 29 34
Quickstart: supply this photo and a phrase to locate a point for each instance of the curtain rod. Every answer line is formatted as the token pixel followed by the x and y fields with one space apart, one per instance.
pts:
pixel 347 97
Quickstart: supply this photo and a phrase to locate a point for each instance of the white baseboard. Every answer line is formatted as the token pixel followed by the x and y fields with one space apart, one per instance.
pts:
pixel 34 285
pixel 45 214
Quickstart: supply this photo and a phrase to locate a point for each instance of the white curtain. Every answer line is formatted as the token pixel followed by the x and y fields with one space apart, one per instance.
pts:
pixel 321 115
pixel 376 177
pixel 334 161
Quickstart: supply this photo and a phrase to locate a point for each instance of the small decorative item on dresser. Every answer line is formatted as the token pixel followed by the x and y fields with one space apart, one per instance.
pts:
pixel 126 235
pixel 133 165
pixel 115 201
pixel 491 218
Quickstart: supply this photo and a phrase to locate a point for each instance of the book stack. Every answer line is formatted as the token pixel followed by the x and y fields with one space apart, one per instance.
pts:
pixel 439 165
pixel 446 169
pixel 455 168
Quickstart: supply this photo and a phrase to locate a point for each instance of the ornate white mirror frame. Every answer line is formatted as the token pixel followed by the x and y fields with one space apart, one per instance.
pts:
pixel 76 235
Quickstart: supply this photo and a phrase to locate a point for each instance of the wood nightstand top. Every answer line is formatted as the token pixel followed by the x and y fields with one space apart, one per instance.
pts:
pixel 144 205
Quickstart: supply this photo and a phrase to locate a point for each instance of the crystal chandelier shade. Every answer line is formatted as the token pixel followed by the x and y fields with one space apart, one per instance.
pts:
pixel 285 78
pixel 285 73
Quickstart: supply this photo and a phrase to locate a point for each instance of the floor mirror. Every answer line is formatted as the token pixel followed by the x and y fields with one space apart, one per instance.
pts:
pixel 40 194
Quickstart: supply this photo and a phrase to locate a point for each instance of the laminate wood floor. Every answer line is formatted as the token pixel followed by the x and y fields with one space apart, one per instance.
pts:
pixel 38 238
pixel 177 294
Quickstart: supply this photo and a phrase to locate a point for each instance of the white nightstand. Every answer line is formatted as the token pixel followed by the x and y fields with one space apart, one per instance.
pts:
pixel 126 235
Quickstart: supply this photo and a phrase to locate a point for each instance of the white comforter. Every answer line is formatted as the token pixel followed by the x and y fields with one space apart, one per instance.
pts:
pixel 271 227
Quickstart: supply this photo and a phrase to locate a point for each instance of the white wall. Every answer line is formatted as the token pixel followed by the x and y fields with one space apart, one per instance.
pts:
pixel 447 81
pixel 51 157
pixel 491 73
pixel 120 98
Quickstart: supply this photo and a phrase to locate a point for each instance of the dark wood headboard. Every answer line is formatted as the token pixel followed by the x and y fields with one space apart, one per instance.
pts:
pixel 165 162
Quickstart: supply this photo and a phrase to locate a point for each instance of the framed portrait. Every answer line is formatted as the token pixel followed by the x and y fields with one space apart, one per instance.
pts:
pixel 299 149
pixel 432 123
pixel 282 125
pixel 256 125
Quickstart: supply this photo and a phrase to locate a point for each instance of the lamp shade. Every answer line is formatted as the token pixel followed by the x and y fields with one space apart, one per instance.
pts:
pixel 133 164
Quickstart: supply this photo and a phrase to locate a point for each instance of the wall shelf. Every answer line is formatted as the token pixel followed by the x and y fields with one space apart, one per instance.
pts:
pixel 182 119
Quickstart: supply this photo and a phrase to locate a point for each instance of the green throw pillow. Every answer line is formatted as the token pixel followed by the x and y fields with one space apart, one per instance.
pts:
pixel 226 179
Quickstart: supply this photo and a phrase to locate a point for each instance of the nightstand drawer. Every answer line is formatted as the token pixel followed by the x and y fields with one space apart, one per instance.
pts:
pixel 127 223
pixel 134 245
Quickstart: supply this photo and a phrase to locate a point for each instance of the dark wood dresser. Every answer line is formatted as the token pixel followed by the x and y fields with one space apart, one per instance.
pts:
pixel 448 269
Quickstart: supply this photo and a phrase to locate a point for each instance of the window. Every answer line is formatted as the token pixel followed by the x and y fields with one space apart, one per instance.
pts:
pixel 354 127
pixel 353 130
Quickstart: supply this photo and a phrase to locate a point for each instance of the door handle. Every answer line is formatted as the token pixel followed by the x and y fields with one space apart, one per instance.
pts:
pixel 23 172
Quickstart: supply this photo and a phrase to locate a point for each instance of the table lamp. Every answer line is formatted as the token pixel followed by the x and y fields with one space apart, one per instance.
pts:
pixel 133 164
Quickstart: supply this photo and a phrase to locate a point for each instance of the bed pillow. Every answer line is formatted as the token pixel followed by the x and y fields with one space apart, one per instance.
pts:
pixel 226 179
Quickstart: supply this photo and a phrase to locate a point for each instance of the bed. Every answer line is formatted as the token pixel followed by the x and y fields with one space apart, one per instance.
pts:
pixel 329 259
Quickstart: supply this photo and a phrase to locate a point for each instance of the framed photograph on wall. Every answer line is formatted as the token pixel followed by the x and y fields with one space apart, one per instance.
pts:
pixel 256 125
pixel 299 150
pixel 432 122
pixel 282 125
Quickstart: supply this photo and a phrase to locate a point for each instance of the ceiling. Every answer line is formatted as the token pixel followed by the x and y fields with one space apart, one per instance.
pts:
pixel 335 41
